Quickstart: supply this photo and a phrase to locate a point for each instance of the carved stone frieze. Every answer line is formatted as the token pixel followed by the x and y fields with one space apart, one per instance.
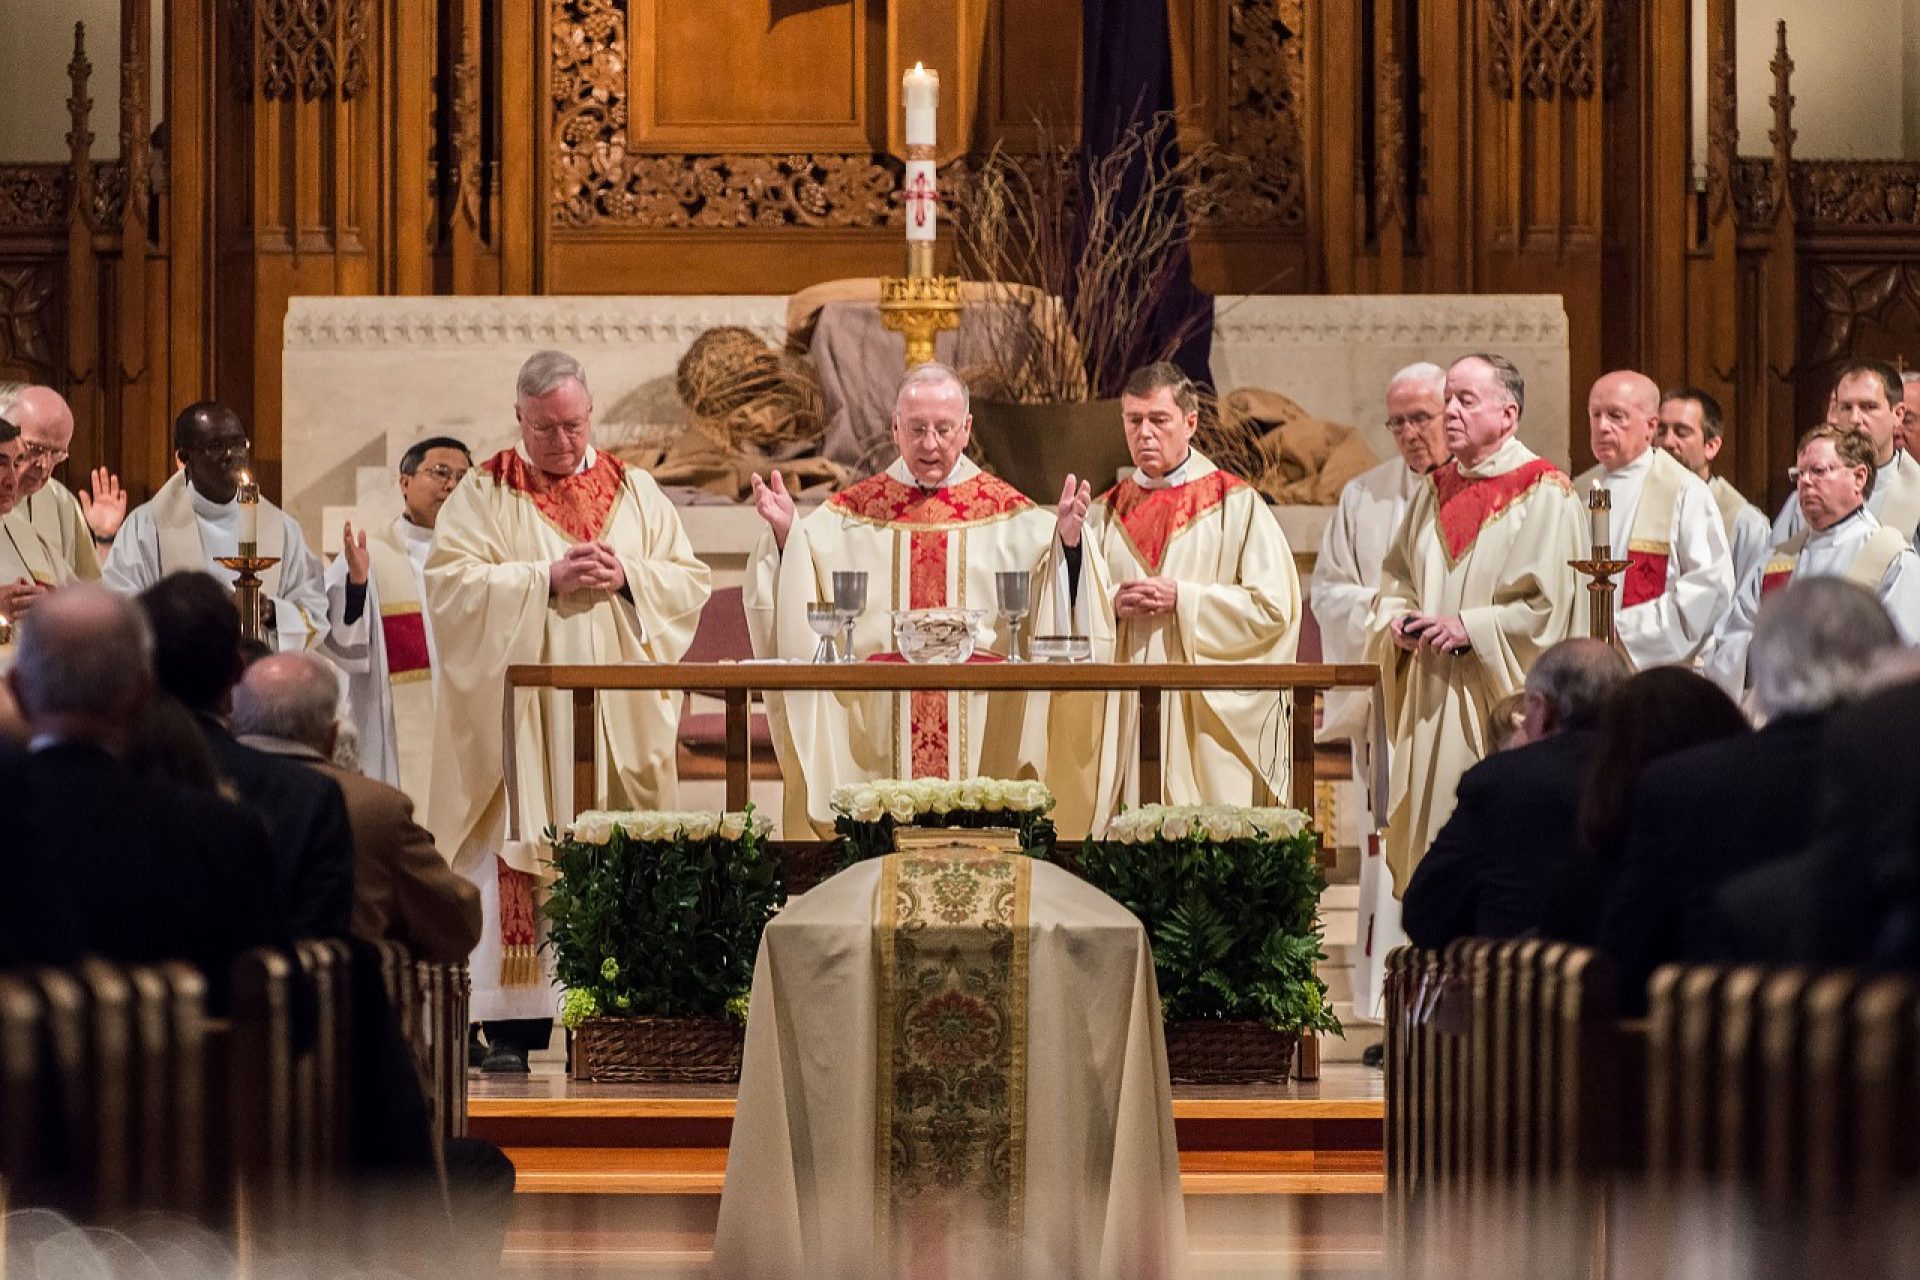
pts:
pixel 1544 48
pixel 302 48
pixel 33 197
pixel 28 291
pixel 1849 295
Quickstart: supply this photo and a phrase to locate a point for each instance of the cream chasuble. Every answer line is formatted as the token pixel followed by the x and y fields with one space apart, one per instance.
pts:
pixel 908 1109
pixel 1491 545
pixel 1678 583
pixel 1859 549
pixel 1238 600
pixel 26 557
pixel 490 606
pixel 1895 501
pixel 178 529
pixel 1749 533
pixel 390 681
pixel 56 516
pixel 921 549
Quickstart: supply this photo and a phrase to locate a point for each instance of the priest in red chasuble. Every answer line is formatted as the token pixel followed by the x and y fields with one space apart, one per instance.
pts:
pixel 1475 586
pixel 1678 585
pixel 930 531
pixel 1201 573
pixel 550 551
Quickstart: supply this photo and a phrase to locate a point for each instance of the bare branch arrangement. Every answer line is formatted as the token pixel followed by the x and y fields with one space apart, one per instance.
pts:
pixel 1099 258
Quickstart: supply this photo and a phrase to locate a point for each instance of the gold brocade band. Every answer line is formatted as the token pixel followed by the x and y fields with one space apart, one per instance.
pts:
pixel 951 1041
pixel 519 967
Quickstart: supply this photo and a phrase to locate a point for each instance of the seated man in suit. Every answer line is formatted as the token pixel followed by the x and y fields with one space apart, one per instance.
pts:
pixel 1488 872
pixel 196 658
pixel 403 890
pixel 1705 815
pixel 103 861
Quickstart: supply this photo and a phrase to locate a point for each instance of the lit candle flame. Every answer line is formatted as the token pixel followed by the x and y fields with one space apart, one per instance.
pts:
pixel 245 478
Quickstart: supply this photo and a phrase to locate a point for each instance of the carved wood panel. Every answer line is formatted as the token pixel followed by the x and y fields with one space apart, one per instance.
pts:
pixel 30 321
pixel 757 76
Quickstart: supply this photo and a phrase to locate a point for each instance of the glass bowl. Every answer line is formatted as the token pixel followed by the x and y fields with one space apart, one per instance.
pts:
pixel 936 635
pixel 1060 648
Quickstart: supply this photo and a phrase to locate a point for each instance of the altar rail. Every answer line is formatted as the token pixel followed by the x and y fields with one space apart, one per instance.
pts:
pixel 736 683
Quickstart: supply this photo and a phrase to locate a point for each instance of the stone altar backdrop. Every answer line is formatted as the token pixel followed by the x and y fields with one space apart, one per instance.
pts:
pixel 364 378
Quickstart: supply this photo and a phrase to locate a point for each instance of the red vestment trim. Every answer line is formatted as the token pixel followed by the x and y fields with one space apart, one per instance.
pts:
pixel 1772 579
pixel 577 505
pixel 884 500
pixel 406 637
pixel 1467 504
pixel 1151 517
pixel 927 708
pixel 519 932
pixel 1646 578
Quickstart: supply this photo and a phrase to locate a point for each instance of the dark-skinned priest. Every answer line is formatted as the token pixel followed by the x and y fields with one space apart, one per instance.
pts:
pixel 550 551
pixel 930 531
pixel 1476 586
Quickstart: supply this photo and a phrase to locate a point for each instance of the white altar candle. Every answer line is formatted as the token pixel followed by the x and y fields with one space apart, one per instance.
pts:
pixel 920 89
pixel 249 497
pixel 1598 519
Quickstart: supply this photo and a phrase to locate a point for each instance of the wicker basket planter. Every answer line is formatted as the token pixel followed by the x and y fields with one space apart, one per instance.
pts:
pixel 658 1050
pixel 1220 1051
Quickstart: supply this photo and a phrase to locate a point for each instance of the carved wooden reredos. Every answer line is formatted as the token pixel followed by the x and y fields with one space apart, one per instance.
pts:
pixel 369 147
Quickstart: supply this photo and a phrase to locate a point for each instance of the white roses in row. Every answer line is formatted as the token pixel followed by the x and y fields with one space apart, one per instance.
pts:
pixel 1214 821
pixel 904 801
pixel 596 826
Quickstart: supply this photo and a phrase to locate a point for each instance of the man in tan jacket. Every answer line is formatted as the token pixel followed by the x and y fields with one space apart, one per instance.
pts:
pixel 403 890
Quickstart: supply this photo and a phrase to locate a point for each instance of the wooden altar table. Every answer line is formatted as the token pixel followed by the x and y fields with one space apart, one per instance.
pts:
pixel 735 683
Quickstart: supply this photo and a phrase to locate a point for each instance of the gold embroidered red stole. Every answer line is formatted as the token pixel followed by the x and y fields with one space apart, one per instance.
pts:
pixel 1464 505
pixel 929 518
pixel 1152 517
pixel 578 505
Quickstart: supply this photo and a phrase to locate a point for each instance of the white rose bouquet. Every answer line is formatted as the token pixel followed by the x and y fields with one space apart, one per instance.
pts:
pixel 866 814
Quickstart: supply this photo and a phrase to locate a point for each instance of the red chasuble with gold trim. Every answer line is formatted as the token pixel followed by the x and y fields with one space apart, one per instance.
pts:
pixel 1151 517
pixel 1468 504
pixel 929 516
pixel 1646 577
pixel 578 505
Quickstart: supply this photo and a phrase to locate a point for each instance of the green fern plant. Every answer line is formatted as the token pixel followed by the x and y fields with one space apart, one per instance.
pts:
pixel 1234 924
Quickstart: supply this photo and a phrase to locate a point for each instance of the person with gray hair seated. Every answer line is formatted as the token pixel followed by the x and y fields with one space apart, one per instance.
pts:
pixel 1708 814
pixel 1489 871
pixel 104 861
pixel 403 890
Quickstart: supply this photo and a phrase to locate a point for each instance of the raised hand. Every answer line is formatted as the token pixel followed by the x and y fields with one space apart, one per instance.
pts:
pixel 106 507
pixel 775 506
pixel 1075 497
pixel 354 548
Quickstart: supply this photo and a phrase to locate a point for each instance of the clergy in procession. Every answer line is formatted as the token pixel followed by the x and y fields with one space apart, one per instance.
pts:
pixel 1692 429
pixel 1201 574
pixel 78 528
pixel 930 532
pixel 1476 584
pixel 1678 582
pixel 551 551
pixel 1868 396
pixel 1836 469
pixel 390 683
pixel 29 568
pixel 1346 582
pixel 202 513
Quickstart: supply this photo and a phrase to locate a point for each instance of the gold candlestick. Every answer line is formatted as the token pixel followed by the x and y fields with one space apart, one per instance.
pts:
pixel 1600 567
pixel 246 588
pixel 920 305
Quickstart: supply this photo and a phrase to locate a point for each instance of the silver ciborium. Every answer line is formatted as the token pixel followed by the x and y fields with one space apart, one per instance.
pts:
pixel 824 622
pixel 1013 593
pixel 849 602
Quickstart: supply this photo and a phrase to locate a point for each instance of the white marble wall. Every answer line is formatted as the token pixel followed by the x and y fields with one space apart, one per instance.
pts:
pixel 366 377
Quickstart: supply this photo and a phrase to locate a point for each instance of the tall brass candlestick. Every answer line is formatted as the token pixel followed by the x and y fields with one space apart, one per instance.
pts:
pixel 920 304
pixel 1600 566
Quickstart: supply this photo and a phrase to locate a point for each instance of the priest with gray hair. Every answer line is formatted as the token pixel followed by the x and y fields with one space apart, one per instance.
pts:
pixel 551 551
